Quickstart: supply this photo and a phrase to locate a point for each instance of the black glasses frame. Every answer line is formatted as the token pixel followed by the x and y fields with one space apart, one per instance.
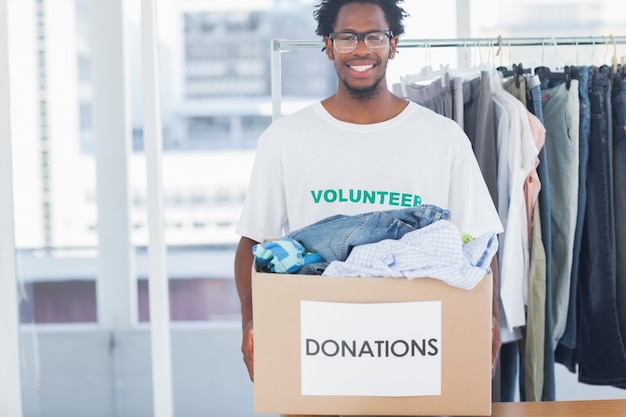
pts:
pixel 359 36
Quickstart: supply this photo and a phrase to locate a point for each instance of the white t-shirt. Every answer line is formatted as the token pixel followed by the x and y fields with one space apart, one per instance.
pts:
pixel 310 166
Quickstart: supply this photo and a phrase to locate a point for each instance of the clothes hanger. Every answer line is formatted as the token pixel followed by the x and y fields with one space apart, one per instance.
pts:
pixel 593 49
pixel 543 71
pixel 499 51
pixel 517 71
pixel 569 73
pixel 426 74
pixel 576 42
pixel 470 70
pixel 614 57
pixel 489 64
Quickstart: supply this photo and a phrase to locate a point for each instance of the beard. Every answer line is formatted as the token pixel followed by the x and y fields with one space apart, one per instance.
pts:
pixel 365 93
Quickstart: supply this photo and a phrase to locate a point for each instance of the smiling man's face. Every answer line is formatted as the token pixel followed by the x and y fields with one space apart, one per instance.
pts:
pixel 362 71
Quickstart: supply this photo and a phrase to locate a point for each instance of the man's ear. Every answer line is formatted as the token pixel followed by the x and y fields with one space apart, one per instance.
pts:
pixel 330 52
pixel 393 44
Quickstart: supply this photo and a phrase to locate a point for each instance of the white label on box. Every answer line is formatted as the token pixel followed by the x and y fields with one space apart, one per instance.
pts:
pixel 373 349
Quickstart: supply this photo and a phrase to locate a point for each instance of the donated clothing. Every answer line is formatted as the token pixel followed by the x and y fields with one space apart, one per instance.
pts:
pixel 283 256
pixel 334 237
pixel 310 166
pixel 435 251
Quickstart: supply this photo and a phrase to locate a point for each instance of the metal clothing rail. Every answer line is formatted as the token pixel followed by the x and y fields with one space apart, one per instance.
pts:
pixel 283 45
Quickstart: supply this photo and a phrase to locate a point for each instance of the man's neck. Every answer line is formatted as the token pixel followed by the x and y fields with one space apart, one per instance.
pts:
pixel 384 106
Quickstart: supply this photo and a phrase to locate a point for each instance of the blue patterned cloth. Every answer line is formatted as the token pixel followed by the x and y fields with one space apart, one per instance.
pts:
pixel 435 251
pixel 284 255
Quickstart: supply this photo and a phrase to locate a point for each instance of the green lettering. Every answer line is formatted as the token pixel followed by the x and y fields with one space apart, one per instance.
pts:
pixel 330 196
pixel 342 199
pixel 355 196
pixel 406 200
pixel 317 195
pixel 366 197
pixel 369 197
pixel 382 195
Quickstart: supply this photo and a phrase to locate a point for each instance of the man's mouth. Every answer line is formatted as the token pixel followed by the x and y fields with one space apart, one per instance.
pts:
pixel 361 68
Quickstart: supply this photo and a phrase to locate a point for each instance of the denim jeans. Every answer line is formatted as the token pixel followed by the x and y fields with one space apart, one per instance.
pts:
pixel 335 236
pixel 602 359
pixel 549 390
pixel 619 196
pixel 511 372
pixel 565 349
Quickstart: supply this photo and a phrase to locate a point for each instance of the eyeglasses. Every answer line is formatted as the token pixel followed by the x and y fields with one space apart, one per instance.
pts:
pixel 346 42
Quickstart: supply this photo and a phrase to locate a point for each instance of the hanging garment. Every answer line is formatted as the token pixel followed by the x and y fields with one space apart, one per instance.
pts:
pixel 619 194
pixel 435 96
pixel 533 85
pixel 565 351
pixel 517 159
pixel 517 154
pixel 528 352
pixel 533 352
pixel 456 84
pixel 561 112
pixel 601 353
pixel 478 116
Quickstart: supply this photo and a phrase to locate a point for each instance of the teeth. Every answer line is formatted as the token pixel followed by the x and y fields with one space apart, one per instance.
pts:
pixel 361 68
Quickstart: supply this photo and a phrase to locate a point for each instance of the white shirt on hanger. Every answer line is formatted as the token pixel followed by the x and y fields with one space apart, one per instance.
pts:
pixel 517 154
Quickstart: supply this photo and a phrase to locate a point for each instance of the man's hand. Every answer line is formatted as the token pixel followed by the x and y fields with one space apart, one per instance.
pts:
pixel 496 341
pixel 495 345
pixel 243 269
pixel 247 348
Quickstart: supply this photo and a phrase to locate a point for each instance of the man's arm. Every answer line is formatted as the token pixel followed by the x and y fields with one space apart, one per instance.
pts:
pixel 496 342
pixel 243 268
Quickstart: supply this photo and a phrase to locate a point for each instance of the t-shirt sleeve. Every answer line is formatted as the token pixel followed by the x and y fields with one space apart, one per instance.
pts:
pixel 263 214
pixel 470 203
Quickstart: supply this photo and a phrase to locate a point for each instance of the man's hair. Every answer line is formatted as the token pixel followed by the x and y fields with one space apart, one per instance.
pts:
pixel 327 11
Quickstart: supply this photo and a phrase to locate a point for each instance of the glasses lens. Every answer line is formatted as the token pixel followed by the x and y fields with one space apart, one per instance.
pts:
pixel 376 40
pixel 345 42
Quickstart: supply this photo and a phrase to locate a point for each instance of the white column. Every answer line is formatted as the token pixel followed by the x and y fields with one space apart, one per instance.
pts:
pixel 10 375
pixel 275 75
pixel 463 27
pixel 117 286
pixel 158 287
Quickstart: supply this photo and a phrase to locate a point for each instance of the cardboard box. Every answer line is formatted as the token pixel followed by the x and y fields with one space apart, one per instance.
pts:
pixel 370 346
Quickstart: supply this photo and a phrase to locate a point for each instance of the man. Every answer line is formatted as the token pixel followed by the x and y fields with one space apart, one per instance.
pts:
pixel 320 160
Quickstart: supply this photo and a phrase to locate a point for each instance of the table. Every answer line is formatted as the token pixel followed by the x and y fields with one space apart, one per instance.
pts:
pixel 591 408
pixel 586 408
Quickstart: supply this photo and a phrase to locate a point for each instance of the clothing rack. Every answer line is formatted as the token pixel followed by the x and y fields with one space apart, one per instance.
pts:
pixel 281 45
